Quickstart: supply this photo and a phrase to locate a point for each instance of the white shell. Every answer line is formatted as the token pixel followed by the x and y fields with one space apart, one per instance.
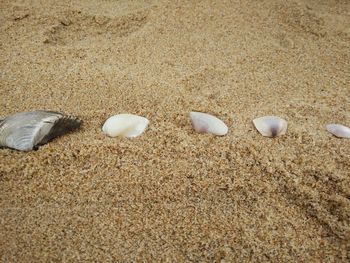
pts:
pixel 270 126
pixel 126 125
pixel 339 130
pixel 206 123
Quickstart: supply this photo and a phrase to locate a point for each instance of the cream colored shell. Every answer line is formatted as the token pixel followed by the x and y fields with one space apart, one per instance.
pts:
pixel 126 125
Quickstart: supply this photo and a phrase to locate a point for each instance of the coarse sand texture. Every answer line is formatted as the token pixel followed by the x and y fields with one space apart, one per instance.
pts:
pixel 172 194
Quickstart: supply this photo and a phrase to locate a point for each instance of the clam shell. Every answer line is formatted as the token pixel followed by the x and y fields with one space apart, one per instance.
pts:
pixel 25 131
pixel 339 130
pixel 206 123
pixel 126 125
pixel 270 126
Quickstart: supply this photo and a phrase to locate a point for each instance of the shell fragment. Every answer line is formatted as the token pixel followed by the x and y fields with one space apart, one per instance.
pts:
pixel 339 130
pixel 270 126
pixel 26 131
pixel 206 123
pixel 126 125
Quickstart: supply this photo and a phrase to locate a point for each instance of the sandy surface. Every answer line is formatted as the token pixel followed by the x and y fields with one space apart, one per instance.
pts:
pixel 173 195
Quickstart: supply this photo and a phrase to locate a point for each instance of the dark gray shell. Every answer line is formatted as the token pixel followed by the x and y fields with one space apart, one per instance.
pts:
pixel 26 131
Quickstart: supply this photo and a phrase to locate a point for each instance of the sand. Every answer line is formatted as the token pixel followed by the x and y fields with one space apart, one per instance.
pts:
pixel 172 195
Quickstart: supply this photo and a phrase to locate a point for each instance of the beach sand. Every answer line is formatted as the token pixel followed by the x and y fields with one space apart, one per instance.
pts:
pixel 172 195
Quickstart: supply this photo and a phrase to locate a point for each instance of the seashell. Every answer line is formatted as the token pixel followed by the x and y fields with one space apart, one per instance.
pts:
pixel 339 130
pixel 127 125
pixel 206 123
pixel 26 131
pixel 270 126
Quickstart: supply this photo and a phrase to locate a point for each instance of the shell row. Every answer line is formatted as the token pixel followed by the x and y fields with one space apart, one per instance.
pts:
pixel 27 130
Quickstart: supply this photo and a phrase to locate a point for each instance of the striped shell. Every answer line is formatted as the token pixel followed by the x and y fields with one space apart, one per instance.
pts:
pixel 26 131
